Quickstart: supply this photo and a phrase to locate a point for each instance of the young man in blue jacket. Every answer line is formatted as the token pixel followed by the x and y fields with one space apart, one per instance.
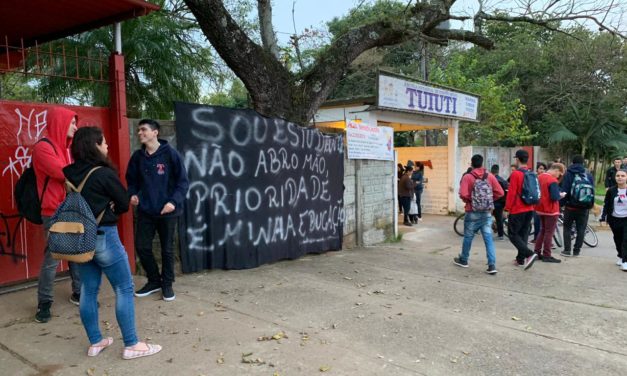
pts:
pixel 157 184
pixel 574 212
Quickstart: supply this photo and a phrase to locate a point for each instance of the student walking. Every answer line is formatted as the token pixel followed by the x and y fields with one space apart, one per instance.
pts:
pixel 157 184
pixel 548 211
pixel 105 194
pixel 521 211
pixel 615 210
pixel 49 158
pixel 579 199
pixel 478 190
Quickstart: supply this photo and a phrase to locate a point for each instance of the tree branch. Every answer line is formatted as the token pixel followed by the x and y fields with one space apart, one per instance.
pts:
pixel 334 61
pixel 462 35
pixel 268 37
pixel 545 22
pixel 258 69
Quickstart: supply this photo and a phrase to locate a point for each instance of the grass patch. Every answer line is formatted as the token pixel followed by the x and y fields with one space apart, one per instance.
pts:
pixel 394 239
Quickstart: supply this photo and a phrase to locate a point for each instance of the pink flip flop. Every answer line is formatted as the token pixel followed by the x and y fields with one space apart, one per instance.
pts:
pixel 132 354
pixel 97 349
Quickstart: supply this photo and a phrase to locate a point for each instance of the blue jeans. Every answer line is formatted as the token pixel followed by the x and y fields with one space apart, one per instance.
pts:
pixel 474 221
pixel 110 258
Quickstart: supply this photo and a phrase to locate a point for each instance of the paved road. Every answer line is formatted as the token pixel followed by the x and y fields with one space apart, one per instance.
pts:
pixel 393 309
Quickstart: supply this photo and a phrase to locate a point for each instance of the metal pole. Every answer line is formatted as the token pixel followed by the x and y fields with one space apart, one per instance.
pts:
pixel 118 38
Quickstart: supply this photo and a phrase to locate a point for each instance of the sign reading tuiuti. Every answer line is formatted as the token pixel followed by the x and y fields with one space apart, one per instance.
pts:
pixel 261 189
pixel 403 94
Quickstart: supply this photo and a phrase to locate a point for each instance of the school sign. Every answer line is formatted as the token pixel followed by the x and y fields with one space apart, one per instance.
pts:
pixel 400 93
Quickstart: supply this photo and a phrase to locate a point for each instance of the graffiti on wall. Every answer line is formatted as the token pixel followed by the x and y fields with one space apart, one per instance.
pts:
pixel 21 126
pixel 261 189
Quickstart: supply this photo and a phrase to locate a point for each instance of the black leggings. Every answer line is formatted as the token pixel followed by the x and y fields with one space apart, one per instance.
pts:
pixel 619 230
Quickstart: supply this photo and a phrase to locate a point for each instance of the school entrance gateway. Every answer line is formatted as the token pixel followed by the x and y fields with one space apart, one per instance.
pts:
pixel 407 104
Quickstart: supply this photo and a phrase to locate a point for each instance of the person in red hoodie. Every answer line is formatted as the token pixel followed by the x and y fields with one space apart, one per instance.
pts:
pixel 520 213
pixel 548 209
pixel 49 158
pixel 478 189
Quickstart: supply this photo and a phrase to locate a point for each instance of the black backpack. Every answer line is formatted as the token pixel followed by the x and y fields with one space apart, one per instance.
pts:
pixel 25 193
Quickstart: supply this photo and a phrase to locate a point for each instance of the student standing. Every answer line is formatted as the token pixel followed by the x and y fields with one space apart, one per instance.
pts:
pixel 615 210
pixel 579 187
pixel 405 193
pixel 105 194
pixel 418 178
pixel 548 211
pixel 49 158
pixel 499 205
pixel 157 184
pixel 520 213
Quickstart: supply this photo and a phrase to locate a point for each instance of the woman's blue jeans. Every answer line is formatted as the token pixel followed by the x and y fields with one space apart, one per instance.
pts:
pixel 110 258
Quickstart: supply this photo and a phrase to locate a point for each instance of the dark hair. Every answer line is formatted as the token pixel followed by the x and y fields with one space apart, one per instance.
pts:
pixel 541 164
pixel 84 147
pixel 476 161
pixel 494 169
pixel 153 124
pixel 420 165
pixel 523 159
pixel 578 159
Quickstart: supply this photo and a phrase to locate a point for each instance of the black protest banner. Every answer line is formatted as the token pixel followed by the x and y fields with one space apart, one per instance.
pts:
pixel 261 189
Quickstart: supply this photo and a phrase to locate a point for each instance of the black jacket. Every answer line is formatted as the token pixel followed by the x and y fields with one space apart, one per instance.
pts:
pixel 102 188
pixel 567 182
pixel 610 177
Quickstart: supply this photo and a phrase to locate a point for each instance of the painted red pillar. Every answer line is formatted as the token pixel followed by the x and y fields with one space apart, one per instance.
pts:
pixel 120 144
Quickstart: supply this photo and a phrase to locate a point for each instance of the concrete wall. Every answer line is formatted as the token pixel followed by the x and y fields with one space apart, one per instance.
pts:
pixel 368 201
pixel 435 196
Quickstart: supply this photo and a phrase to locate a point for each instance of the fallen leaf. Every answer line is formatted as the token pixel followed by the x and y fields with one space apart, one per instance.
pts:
pixel 91 371
pixel 348 278
pixel 324 368
pixel 220 359
pixel 516 318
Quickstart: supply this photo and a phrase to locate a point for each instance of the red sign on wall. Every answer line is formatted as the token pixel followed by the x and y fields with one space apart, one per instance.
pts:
pixel 21 126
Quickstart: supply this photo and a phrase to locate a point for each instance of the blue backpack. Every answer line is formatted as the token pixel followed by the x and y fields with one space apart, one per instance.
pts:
pixel 73 229
pixel 530 193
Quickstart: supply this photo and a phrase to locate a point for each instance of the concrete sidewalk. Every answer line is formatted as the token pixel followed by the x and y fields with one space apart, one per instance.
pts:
pixel 394 309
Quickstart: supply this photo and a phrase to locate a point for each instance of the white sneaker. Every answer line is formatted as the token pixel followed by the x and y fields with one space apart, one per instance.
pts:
pixel 619 262
pixel 623 267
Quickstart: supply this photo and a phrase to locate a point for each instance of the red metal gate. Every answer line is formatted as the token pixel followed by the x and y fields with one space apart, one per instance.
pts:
pixel 21 125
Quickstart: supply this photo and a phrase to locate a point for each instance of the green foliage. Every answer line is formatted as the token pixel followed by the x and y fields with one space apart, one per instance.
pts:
pixel 500 116
pixel 236 97
pixel 165 61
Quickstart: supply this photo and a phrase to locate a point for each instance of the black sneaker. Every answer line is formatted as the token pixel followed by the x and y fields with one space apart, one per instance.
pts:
pixel 491 269
pixel 75 299
pixel 575 254
pixel 565 254
pixel 149 288
pixel 43 312
pixel 168 293
pixel 551 259
pixel 529 261
pixel 458 261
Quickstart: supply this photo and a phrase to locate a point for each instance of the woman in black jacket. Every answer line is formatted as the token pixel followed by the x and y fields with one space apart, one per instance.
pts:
pixel 615 210
pixel 103 191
